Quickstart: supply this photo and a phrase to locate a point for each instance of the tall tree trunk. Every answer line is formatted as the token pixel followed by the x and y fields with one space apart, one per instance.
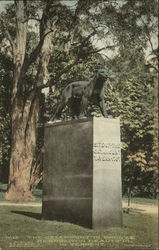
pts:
pixel 18 159
pixel 24 123
pixel 25 110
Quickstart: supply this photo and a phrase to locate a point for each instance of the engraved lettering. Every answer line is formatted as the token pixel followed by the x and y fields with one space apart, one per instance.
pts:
pixel 107 152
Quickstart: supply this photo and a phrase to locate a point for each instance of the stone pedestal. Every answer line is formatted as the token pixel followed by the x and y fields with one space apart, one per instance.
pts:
pixel 82 172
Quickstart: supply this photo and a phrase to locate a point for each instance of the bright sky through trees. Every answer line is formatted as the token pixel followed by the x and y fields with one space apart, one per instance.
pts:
pixel 99 43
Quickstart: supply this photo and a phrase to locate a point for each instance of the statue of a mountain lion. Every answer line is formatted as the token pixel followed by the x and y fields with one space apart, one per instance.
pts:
pixel 80 91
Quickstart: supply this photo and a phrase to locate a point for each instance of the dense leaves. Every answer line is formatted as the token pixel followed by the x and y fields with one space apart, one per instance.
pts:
pixel 89 34
pixel 5 129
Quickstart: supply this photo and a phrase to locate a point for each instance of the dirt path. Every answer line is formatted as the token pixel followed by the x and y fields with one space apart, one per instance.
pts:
pixel 29 204
pixel 143 208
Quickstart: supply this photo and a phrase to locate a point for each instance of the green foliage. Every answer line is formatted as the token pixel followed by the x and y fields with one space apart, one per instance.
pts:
pixel 5 129
pixel 125 28
pixel 134 85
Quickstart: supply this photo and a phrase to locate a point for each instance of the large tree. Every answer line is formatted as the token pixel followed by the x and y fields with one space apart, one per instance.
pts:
pixel 25 106
pixel 30 63
pixel 59 37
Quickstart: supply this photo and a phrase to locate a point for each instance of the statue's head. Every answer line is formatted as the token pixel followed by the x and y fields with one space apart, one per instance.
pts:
pixel 102 73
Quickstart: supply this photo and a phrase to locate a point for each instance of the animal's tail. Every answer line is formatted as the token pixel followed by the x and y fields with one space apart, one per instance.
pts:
pixel 65 96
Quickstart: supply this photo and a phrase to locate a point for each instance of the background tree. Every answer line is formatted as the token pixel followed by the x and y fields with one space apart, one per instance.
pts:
pixel 52 43
pixel 5 93
pixel 29 71
pixel 135 85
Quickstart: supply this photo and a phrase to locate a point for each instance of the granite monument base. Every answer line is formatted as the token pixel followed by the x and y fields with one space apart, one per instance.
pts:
pixel 82 172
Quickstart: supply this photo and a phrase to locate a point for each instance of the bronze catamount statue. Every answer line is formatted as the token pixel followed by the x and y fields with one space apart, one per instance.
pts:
pixel 80 91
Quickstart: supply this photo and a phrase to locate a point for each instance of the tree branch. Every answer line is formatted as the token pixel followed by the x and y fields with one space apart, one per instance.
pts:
pixel 152 48
pixel 72 26
pixel 155 52
pixel 34 54
pixel 152 66
pixel 52 80
pixel 31 18
pixel 6 31
pixel 84 40
pixel 77 10
pixel 36 51
pixel 96 51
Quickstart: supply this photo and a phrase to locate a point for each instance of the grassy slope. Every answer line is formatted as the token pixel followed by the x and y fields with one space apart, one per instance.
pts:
pixel 22 228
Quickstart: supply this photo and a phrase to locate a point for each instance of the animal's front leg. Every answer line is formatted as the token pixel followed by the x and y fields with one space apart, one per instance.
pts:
pixel 102 107
pixel 83 107
pixel 75 108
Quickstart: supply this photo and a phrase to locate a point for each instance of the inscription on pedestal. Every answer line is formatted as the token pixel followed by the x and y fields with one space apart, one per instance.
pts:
pixel 106 173
pixel 107 152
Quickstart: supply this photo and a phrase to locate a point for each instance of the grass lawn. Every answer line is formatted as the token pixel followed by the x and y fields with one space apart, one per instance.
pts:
pixel 21 228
